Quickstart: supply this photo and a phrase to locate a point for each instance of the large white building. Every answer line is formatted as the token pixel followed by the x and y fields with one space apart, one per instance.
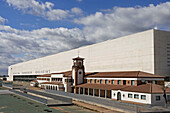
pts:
pixel 147 51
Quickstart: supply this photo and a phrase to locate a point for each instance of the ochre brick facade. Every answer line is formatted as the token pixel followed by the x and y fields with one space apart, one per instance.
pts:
pixel 128 82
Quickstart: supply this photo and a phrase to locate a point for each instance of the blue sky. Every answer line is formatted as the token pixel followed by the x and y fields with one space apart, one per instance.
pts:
pixel 19 20
pixel 31 29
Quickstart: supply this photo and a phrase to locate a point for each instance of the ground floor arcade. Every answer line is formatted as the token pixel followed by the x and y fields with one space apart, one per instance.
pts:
pixel 52 87
pixel 93 92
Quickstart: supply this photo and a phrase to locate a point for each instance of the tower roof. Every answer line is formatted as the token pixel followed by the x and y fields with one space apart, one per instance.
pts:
pixel 78 58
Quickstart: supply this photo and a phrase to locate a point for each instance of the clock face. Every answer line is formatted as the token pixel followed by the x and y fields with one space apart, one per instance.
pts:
pixel 80 76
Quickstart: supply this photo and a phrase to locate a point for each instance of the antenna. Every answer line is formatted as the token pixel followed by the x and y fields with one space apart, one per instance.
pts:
pixel 78 52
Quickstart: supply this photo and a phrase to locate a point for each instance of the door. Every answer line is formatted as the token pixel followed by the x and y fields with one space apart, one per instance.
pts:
pixel 118 96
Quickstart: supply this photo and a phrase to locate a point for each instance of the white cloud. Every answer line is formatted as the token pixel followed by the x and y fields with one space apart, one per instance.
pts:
pixel 122 21
pixel 22 45
pixel 79 0
pixel 44 10
pixel 2 20
pixel 76 10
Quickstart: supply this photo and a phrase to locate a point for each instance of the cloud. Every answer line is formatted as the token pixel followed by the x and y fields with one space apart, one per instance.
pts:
pixel 79 0
pixel 76 10
pixel 2 20
pixel 119 21
pixel 44 10
pixel 22 45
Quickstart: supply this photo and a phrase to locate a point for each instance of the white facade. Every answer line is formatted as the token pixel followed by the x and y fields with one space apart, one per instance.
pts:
pixel 145 51
pixel 124 96
pixel 150 98
pixel 66 85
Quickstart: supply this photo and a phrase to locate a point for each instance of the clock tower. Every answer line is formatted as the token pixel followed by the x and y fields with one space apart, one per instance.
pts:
pixel 78 71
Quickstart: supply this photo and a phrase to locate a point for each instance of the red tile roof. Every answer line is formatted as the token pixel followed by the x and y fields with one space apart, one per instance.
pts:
pixel 46 75
pixel 34 81
pixel 66 74
pixel 102 86
pixel 78 58
pixel 145 88
pixel 124 74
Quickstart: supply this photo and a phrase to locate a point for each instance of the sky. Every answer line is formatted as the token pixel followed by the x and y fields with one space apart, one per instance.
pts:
pixel 31 29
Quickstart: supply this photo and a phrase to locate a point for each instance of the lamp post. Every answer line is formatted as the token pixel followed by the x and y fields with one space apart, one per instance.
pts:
pixel 164 94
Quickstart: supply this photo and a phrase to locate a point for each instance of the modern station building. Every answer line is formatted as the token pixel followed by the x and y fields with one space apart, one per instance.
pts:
pixel 129 68
pixel 131 86
pixel 147 51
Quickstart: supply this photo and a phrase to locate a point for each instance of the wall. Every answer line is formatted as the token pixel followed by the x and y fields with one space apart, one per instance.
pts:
pixel 162 52
pixel 129 53
pixel 161 102
pixel 125 97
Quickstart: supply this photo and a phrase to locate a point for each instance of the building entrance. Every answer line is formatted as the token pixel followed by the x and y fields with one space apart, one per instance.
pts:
pixel 118 96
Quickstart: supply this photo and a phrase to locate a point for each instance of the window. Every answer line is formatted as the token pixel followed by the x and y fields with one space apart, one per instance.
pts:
pixel 79 63
pixel 91 81
pixel 168 98
pixel 136 96
pixel 101 82
pixel 119 82
pixel 129 95
pixel 146 81
pixel 132 82
pixel 69 80
pixel 95 81
pixel 158 98
pixel 143 97
pixel 124 82
pixel 154 82
pixel 112 81
pixel 106 81
pixel 80 72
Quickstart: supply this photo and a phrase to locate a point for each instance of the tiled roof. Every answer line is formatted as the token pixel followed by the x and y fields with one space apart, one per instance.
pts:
pixel 46 75
pixel 34 81
pixel 124 74
pixel 78 58
pixel 54 83
pixel 145 88
pixel 102 86
pixel 66 74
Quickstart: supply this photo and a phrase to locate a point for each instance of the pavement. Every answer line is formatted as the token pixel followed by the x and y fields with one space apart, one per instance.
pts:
pixel 110 104
pixel 5 92
pixel 95 108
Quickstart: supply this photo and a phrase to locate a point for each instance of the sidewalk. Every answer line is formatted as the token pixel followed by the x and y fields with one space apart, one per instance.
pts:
pixel 95 108
pixel 110 104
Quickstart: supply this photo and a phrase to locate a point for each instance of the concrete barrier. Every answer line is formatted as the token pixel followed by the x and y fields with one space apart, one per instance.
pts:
pixel 43 98
pixel 56 97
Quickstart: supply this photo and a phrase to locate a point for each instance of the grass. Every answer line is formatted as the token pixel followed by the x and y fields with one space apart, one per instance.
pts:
pixel 16 104
pixel 10 103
